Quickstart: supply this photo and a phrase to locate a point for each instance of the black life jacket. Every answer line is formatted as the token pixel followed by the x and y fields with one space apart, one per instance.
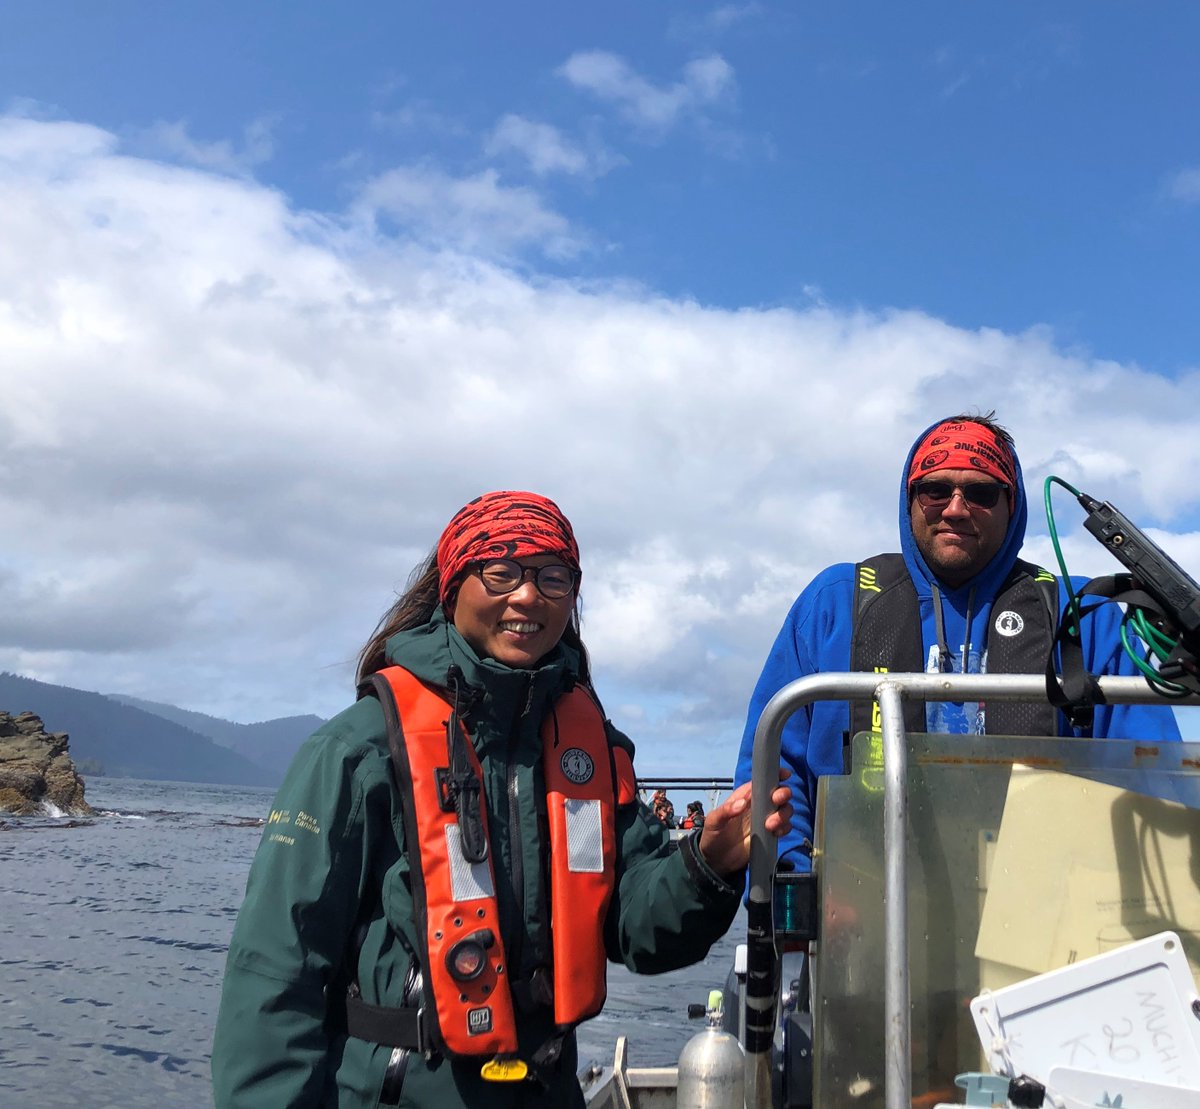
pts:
pixel 886 638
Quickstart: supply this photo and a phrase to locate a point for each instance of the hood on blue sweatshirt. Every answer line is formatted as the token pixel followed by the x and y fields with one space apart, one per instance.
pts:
pixel 992 576
pixel 977 593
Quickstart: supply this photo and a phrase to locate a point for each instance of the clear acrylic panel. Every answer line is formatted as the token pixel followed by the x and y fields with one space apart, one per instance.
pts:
pixel 1024 855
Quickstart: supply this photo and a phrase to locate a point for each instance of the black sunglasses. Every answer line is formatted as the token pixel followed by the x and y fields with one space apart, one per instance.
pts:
pixel 937 494
pixel 503 575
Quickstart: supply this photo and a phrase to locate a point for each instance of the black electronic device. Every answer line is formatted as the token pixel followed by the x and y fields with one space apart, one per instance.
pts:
pixel 1155 571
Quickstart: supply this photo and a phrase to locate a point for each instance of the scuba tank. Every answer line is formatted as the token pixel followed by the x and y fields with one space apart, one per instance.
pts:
pixel 711 1065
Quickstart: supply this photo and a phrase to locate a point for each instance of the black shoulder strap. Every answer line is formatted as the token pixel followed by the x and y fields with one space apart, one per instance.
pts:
pixel 1019 641
pixel 886 634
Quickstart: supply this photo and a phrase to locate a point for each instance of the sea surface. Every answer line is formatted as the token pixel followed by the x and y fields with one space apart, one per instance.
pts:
pixel 113 933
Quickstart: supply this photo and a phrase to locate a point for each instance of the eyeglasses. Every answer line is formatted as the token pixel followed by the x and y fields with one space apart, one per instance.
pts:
pixel 938 494
pixel 503 575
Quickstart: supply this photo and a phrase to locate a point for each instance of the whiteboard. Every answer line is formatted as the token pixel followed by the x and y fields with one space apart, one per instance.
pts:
pixel 1126 1012
pixel 1088 1089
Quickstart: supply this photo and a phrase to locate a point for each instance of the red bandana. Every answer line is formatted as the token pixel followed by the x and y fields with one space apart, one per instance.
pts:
pixel 965 445
pixel 504 524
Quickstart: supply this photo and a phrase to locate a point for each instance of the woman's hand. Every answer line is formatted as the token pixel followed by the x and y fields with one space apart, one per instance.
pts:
pixel 725 838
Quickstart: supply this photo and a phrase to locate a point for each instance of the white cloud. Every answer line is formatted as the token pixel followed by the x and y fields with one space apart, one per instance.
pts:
pixel 474 214
pixel 716 21
pixel 656 108
pixel 1184 185
pixel 956 71
pixel 418 115
pixel 172 140
pixel 35 147
pixel 547 149
pixel 232 427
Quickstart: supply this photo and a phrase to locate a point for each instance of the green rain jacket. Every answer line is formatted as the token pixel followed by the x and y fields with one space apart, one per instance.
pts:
pixel 329 899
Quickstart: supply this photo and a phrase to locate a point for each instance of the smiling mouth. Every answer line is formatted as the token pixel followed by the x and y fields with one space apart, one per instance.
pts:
pixel 521 627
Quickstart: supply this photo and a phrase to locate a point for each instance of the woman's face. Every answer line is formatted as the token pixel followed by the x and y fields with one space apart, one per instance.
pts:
pixel 518 628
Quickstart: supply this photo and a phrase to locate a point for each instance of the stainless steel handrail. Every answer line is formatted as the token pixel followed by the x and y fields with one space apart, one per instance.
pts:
pixel 890 690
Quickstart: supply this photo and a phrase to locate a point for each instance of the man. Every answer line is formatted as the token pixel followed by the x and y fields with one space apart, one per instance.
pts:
pixel 662 808
pixel 957 600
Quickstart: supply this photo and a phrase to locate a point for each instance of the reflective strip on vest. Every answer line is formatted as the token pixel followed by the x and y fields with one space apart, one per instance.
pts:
pixel 468 881
pixel 585 836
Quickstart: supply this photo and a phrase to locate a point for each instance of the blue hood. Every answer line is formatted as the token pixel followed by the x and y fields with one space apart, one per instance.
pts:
pixel 991 577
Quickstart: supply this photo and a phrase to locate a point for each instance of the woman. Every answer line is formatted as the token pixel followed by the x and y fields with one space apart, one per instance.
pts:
pixel 395 946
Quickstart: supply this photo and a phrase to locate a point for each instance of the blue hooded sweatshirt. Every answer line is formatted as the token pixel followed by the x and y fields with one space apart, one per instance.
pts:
pixel 815 638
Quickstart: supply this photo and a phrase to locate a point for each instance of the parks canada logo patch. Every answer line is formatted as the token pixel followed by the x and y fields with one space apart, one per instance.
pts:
pixel 1010 623
pixel 577 765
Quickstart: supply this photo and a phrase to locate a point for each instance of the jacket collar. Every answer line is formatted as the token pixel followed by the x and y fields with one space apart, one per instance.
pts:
pixel 496 690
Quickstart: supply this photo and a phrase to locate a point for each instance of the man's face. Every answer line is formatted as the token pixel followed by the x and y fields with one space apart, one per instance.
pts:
pixel 958 539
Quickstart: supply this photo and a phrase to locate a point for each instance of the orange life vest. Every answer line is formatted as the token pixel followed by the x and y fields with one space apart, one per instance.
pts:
pixel 586 779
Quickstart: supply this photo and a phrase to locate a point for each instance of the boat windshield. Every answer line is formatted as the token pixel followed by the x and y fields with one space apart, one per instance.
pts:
pixel 1024 855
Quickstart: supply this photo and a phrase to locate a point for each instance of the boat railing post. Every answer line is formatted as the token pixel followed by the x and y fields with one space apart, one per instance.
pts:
pixel 897 1010
pixel 762 984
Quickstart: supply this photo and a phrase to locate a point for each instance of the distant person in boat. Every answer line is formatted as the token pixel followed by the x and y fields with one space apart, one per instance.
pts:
pixel 695 815
pixel 450 861
pixel 662 808
pixel 956 598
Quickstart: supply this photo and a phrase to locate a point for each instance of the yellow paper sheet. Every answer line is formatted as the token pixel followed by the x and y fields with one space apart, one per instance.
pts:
pixel 1079 868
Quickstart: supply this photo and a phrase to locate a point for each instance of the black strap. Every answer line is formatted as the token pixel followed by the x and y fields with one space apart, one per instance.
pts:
pixel 885 636
pixel 381 1024
pixel 1032 594
pixel 463 786
pixel 393 1077
pixel 543 1063
pixel 1076 691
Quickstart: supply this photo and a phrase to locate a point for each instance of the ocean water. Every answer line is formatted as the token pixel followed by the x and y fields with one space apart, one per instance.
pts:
pixel 113 933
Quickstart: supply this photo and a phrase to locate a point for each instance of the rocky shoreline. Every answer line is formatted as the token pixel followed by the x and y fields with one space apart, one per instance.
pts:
pixel 37 776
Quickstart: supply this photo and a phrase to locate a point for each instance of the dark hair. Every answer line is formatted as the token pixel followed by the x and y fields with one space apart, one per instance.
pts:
pixel 415 606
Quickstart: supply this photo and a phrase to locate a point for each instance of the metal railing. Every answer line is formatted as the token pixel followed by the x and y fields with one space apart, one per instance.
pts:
pixel 890 691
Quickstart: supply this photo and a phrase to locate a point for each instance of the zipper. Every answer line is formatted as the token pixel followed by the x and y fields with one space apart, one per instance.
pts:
pixel 515 843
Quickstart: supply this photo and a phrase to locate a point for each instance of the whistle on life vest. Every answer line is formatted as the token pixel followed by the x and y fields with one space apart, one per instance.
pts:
pixel 504 1069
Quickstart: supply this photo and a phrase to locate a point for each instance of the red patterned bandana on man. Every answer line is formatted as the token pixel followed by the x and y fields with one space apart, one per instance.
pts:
pixel 504 524
pixel 965 445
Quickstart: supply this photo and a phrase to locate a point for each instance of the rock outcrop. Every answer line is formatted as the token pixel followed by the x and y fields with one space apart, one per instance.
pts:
pixel 36 773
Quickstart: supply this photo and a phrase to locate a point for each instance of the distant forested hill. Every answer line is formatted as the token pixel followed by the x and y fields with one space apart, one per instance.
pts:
pixel 270 744
pixel 115 737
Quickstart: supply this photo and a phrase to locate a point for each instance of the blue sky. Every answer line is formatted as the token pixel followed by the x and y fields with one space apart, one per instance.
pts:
pixel 999 165
pixel 700 272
